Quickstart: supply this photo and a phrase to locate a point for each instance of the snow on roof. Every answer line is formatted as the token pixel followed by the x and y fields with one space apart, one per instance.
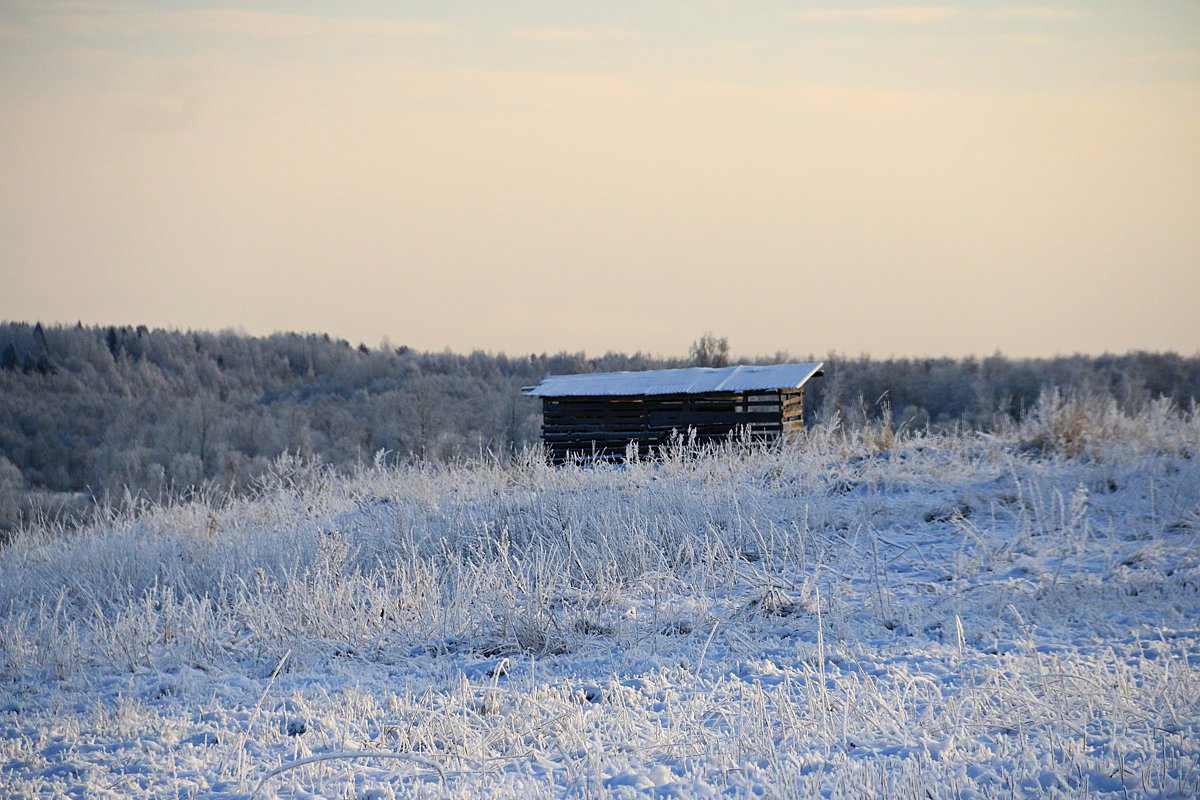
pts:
pixel 694 380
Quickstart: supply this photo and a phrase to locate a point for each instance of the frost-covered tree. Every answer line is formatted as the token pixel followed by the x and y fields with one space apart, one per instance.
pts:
pixel 710 351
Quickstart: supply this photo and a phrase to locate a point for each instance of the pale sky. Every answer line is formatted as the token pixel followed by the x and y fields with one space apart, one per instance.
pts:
pixel 908 180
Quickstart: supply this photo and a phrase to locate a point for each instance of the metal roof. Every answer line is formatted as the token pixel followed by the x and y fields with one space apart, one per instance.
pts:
pixel 694 380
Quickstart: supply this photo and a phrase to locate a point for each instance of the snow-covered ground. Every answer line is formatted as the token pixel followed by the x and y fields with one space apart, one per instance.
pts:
pixel 872 615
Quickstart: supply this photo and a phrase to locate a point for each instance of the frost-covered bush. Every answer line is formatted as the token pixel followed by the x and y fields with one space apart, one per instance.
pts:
pixel 1075 425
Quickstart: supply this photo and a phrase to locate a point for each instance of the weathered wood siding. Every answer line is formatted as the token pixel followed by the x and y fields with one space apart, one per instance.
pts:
pixel 604 426
pixel 792 407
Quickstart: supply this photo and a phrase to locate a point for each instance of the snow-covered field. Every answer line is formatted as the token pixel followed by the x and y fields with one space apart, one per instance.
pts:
pixel 862 615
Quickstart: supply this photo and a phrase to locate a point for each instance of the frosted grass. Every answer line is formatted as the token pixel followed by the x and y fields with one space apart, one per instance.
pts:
pixel 873 614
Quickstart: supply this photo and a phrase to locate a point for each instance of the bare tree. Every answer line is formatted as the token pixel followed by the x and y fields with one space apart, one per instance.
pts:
pixel 710 351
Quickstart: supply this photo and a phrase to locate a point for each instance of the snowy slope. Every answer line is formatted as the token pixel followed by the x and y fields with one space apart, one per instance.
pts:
pixel 863 616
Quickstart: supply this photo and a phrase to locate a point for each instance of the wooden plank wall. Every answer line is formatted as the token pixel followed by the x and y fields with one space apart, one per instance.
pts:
pixel 792 407
pixel 603 426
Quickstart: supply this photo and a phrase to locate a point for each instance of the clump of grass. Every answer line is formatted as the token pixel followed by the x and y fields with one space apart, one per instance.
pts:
pixel 1076 425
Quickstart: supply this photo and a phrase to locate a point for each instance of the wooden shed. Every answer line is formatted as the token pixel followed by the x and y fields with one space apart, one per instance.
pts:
pixel 598 415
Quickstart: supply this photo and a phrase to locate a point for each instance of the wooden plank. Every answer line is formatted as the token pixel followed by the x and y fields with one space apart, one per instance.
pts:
pixel 625 437
pixel 603 407
pixel 664 421
pixel 658 419
pixel 558 438
pixel 603 410
pixel 680 413
pixel 597 422
pixel 624 418
pixel 715 397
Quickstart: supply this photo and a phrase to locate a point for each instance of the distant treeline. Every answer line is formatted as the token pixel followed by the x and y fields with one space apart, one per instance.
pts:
pixel 90 413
